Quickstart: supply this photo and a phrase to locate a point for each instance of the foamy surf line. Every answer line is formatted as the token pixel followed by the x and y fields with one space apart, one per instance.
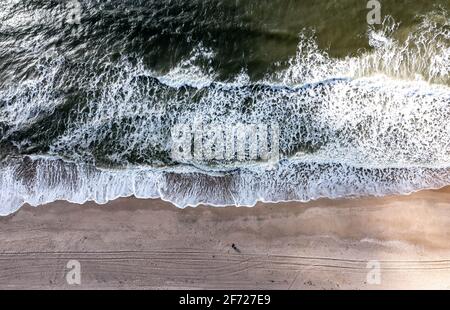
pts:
pixel 38 181
pixel 374 123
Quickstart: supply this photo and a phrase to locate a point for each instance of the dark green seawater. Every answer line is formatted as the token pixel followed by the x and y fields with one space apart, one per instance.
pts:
pixel 244 34
pixel 91 91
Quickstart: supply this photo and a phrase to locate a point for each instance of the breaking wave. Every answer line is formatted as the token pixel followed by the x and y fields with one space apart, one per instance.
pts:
pixel 371 124
pixel 38 181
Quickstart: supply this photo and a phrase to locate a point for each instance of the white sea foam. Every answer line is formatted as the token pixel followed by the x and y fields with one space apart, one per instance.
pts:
pixel 42 180
pixel 375 124
pixel 424 55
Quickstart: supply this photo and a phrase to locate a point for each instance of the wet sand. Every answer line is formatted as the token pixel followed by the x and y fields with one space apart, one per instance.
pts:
pixel 326 244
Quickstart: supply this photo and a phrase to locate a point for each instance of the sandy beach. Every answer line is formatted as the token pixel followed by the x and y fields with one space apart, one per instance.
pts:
pixel 326 244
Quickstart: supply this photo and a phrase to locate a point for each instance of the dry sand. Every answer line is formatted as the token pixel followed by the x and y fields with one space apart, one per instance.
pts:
pixel 326 244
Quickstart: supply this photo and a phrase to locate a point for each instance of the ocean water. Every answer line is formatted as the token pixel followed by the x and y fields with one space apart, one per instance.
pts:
pixel 91 90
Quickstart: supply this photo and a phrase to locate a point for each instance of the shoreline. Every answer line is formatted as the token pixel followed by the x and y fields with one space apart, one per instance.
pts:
pixel 133 243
